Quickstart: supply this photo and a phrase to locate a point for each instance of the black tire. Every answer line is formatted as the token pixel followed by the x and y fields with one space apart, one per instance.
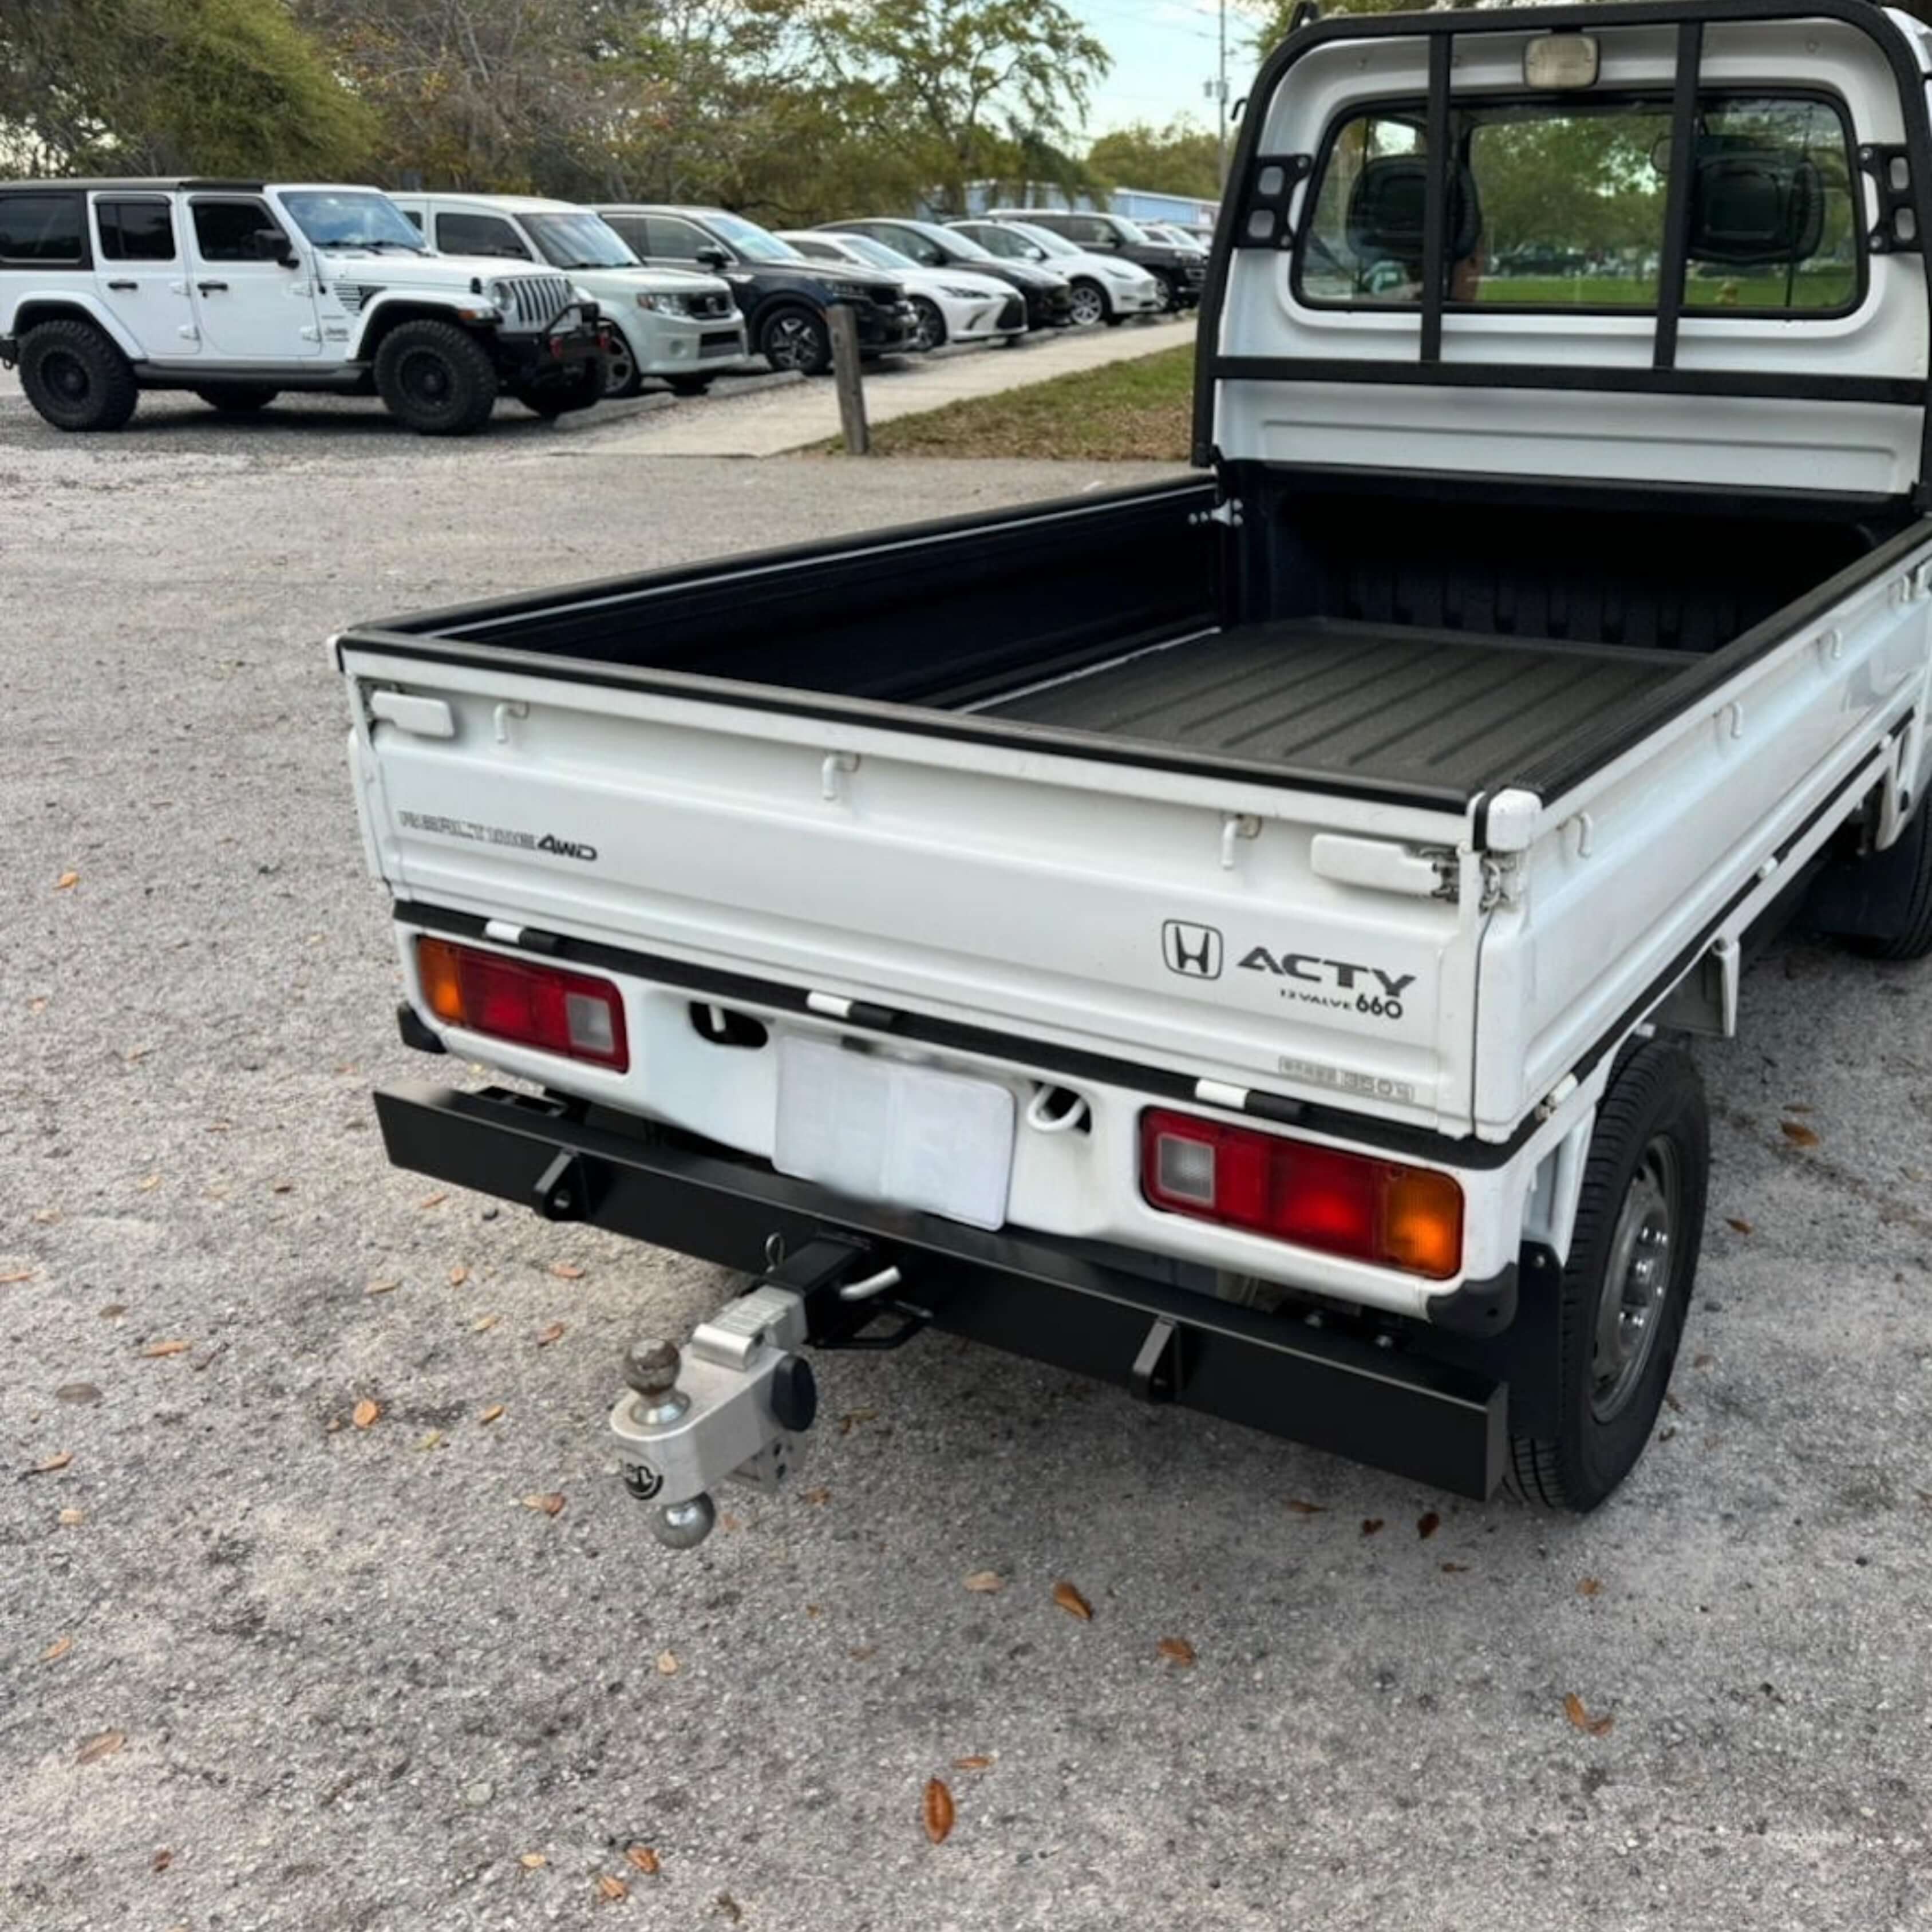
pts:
pixel 1881 905
pixel 930 332
pixel 796 338
pixel 75 377
pixel 1170 293
pixel 237 399
pixel 689 385
pixel 437 379
pixel 622 378
pixel 1625 1292
pixel 583 388
pixel 1090 305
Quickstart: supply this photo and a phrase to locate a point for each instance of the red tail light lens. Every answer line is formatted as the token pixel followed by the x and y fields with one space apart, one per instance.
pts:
pixel 543 1006
pixel 1340 1204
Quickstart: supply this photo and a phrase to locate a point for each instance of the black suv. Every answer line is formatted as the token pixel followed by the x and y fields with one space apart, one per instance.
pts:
pixel 1049 296
pixel 783 296
pixel 1180 272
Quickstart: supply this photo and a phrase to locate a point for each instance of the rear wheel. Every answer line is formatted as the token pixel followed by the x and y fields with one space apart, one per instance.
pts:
pixel 1626 1289
pixel 1090 305
pixel 76 378
pixel 435 378
pixel 581 389
pixel 1168 297
pixel 237 399
pixel 928 329
pixel 795 338
pixel 1881 905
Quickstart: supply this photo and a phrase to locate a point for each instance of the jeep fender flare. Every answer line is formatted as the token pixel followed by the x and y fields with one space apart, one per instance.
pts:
pixel 384 311
pixel 73 305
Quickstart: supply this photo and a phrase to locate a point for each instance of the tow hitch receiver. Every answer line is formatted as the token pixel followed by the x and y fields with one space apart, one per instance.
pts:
pixel 736 1400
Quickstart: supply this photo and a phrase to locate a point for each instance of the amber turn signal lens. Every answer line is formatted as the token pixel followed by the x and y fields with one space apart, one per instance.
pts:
pixel 437 965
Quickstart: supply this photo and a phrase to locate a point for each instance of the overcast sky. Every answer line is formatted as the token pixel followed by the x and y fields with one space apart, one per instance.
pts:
pixel 1164 51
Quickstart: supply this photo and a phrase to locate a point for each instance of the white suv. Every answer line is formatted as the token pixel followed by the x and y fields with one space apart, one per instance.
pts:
pixel 680 327
pixel 237 290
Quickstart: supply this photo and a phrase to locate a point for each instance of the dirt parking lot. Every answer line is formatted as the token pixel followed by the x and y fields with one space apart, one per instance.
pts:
pixel 260 1666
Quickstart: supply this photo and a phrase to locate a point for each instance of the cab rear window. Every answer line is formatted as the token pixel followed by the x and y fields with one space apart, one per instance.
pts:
pixel 1562 205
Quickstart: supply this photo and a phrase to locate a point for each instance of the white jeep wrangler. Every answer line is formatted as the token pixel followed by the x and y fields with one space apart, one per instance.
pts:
pixel 237 290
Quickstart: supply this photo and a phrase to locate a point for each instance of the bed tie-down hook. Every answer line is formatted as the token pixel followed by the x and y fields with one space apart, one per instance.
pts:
pixel 836 765
pixel 1236 825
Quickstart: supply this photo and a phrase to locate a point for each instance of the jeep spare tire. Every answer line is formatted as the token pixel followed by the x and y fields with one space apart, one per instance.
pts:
pixel 435 379
pixel 75 377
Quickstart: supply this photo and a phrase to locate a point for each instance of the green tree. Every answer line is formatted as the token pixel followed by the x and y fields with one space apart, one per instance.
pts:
pixel 1181 158
pixel 956 86
pixel 158 86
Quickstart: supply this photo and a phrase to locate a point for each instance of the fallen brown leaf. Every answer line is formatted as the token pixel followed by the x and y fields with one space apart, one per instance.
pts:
pixel 613 1889
pixel 18 1275
pixel 458 1275
pixel 154 1350
pixel 1455 1569
pixel 1701 1361
pixel 551 1503
pixel 58 1649
pixel 494 1413
pixel 1176 1650
pixel 938 1810
pixel 53 1465
pixel 667 1663
pixel 1672 1402
pixel 1298 1507
pixel 1573 1709
pixel 1427 1524
pixel 851 1419
pixel 643 1857
pixel 46 1217
pixel 1370 1524
pixel 432 1200
pixel 986 1582
pixel 566 1270
pixel 1589 1587
pixel 102 1744
pixel 1070 1600
pixel 532 1860
pixel 729 1906
pixel 484 1323
pixel 978 1761
pixel 1798 1133
pixel 281 1187
pixel 366 1414
pixel 69 1517
pixel 66 881
pixel 554 1333
pixel 382 1288
pixel 161 1860
pixel 1736 1226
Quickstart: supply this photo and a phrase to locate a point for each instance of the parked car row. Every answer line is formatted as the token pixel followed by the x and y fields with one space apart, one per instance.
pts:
pixel 439 303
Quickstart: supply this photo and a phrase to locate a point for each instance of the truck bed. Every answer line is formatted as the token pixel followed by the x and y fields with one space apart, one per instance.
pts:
pixel 1422 707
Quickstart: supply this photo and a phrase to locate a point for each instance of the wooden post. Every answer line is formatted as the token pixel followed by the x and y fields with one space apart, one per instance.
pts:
pixel 848 379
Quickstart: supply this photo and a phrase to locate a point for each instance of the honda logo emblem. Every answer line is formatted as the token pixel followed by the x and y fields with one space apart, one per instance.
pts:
pixel 1194 952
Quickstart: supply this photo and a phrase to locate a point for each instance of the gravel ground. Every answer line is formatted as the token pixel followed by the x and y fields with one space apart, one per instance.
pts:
pixel 349 1680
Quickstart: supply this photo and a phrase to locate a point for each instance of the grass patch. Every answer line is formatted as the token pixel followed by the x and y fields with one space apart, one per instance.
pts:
pixel 1122 412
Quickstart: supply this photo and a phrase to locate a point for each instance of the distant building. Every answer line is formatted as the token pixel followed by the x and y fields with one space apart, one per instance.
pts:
pixel 1137 204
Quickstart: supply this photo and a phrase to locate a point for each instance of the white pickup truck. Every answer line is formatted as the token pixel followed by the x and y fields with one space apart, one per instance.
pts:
pixel 1235 937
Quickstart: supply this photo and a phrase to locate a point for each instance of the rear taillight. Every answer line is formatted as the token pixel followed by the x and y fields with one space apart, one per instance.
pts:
pixel 1342 1204
pixel 542 1006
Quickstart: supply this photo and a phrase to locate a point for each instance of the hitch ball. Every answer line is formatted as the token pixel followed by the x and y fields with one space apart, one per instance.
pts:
pixel 684 1525
pixel 651 1367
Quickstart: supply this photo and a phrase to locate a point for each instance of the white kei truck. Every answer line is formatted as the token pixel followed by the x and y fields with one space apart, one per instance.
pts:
pixel 1236 937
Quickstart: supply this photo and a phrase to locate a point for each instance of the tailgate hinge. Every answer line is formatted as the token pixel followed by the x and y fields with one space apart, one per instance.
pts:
pixel 1227 513
pixel 1502 880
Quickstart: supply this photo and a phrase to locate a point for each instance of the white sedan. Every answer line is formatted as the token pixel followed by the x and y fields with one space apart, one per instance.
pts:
pixel 1106 288
pixel 951 304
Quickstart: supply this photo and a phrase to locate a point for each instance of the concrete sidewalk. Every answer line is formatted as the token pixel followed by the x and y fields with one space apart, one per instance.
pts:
pixel 769 421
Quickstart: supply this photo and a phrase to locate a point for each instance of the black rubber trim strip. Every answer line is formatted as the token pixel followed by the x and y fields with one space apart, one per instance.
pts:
pixel 1594 378
pixel 1417 1144
pixel 1435 200
pixel 1676 264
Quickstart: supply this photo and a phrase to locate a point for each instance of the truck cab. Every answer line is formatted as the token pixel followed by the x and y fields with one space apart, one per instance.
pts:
pixel 678 326
pixel 1245 940
pixel 238 290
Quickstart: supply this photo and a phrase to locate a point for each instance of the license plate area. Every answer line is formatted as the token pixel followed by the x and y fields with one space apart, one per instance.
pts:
pixel 880 1129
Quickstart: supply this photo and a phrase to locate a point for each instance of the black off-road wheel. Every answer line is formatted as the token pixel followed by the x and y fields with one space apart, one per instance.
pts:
pixel 237 399
pixel 436 379
pixel 76 378
pixel 1624 1296
pixel 796 338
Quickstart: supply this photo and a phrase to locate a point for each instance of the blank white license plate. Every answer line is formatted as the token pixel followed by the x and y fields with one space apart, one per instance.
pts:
pixel 881 1130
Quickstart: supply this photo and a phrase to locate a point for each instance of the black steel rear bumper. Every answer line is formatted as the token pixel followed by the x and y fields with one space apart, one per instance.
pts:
pixel 1052 1300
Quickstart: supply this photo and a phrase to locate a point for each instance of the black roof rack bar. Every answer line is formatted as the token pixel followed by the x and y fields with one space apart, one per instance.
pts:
pixel 1675 265
pixel 1436 203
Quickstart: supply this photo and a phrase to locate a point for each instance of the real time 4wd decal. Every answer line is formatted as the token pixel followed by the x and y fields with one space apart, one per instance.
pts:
pixel 1308 979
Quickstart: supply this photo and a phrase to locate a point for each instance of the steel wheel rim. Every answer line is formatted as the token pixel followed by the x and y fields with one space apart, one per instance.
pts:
pixel 424 378
pixel 789 345
pixel 1637 1275
pixel 66 375
pixel 1089 306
